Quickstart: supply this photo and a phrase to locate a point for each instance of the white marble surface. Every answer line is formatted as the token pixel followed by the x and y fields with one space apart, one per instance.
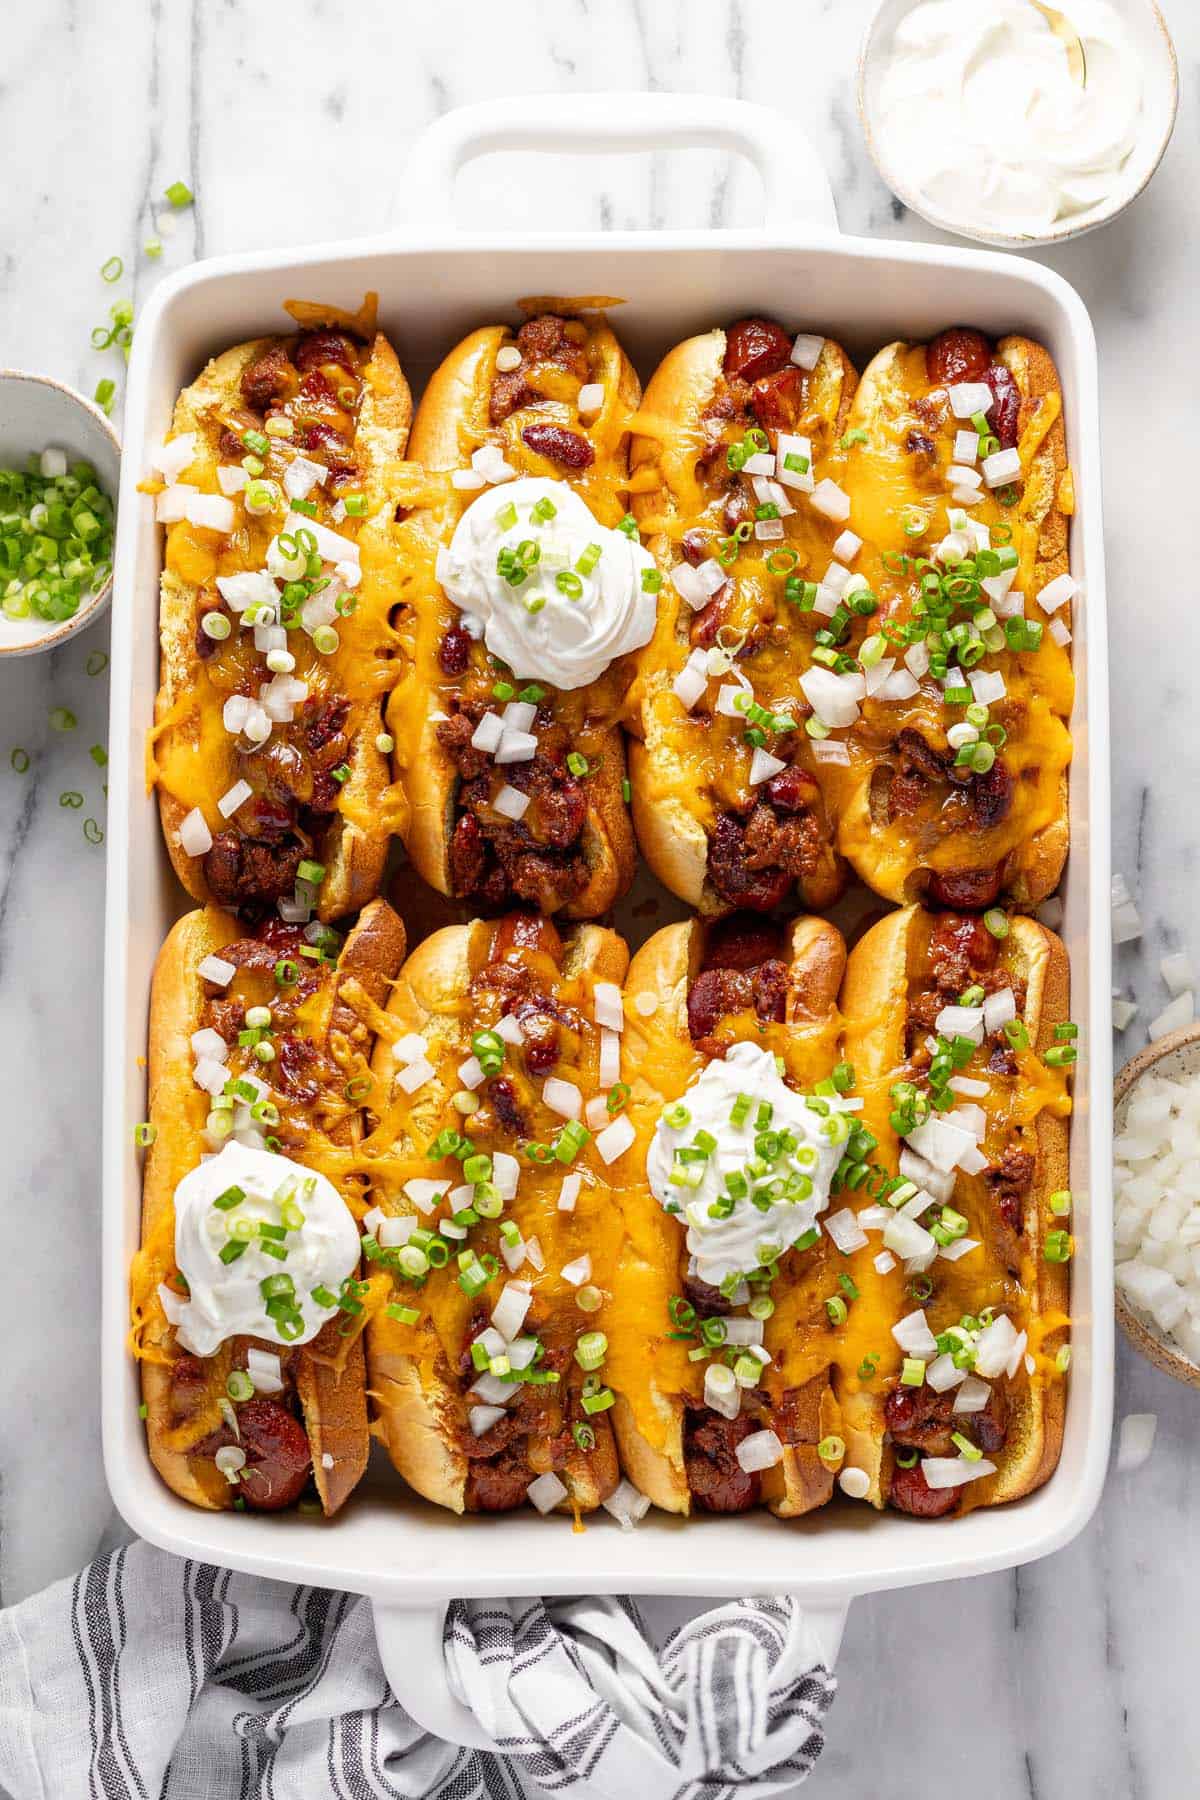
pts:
pixel 1071 1678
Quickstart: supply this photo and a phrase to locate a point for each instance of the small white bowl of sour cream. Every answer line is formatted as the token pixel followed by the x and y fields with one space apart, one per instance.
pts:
pixel 976 118
pixel 46 419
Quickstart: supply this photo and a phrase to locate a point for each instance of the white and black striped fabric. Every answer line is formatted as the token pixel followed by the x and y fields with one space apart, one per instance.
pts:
pixel 152 1678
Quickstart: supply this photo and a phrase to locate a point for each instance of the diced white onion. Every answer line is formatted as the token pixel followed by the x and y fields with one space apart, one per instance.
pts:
pixel 234 797
pixel 830 750
pixel 688 585
pixel 806 350
pixel 210 1043
pixel 1177 972
pixel 172 456
pixel 999 1009
pixel 397 1230
pixel 938 1182
pixel 689 685
pixel 579 1271
pixel 510 803
pixel 626 1504
pixel 607 1006
pixel 845 1230
pixel 210 512
pixel 264 1370
pixel 1180 1012
pixel 210 1075
pixel 195 838
pixel 954 1471
pixel 760 1450
pixel 914 1337
pixel 988 686
pixel 331 545
pixel 591 398
pixel 1002 467
pixel 1059 632
pixel 547 1491
pixel 508 1315
pixel 972 1396
pixel 994 1347
pixel 610 1058
pixel 216 970
pixel 487 734
pixel 615 1139
pixel 568 1194
pixel 961 1021
pixel 942 1375
pixel 562 1097
pixel 468 480
pixel 470 1073
pixel 482 1418
pixel 900 686
pixel 847 546
pixel 1058 593
pixel 831 500
pixel 790 444
pixel 763 765
pixel 941 1143
pixel 415 1075
pixel 510 1029
pixel 968 1087
pixel 969 397
pixel 834 698
pixel 231 478
pixel 885 1262
pixel 721 1390
pixel 1136 1440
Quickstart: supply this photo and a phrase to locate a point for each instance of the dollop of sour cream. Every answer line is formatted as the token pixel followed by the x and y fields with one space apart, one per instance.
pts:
pixel 979 111
pixel 747 1235
pixel 225 1298
pixel 574 611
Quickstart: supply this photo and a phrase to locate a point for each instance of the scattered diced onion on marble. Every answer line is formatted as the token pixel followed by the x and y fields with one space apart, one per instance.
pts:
pixel 1136 1440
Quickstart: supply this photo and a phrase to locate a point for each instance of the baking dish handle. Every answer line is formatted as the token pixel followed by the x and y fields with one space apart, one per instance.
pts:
pixel 412 1650
pixel 796 189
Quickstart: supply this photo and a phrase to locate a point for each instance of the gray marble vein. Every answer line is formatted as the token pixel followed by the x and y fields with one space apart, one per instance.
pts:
pixel 1071 1678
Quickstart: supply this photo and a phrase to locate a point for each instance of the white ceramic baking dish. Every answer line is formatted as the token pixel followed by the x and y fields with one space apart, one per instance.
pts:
pixel 434 286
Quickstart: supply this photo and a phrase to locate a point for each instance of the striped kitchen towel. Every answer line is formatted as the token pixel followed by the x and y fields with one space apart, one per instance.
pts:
pixel 152 1678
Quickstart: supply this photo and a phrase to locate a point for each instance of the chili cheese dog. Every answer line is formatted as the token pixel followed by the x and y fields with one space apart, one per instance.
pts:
pixel 526 597
pixel 279 576
pixel 246 1307
pixel 727 1284
pixel 736 443
pixel 952 1385
pixel 952 782
pixel 488 1368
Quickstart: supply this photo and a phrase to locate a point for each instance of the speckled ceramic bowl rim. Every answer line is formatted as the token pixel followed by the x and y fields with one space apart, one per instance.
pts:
pixel 95 606
pixel 1141 1333
pixel 1059 233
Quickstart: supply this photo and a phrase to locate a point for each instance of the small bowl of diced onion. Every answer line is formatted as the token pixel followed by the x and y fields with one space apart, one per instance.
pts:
pixel 59 459
pixel 1156 1190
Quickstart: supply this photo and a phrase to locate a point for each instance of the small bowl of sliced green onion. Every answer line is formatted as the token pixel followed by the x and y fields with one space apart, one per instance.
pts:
pixel 59 458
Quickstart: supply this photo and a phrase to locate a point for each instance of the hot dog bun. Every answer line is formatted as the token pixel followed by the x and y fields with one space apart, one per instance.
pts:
pixel 907 829
pixel 194 758
pixel 690 769
pixel 895 963
pixel 327 1373
pixel 658 1386
pixel 469 404
pixel 458 981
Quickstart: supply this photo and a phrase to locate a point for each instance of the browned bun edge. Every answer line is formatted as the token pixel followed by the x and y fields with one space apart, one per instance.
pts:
pixel 417 1398
pixel 665 967
pixel 332 1397
pixel 1041 861
pixel 354 854
pixel 873 1005
pixel 451 418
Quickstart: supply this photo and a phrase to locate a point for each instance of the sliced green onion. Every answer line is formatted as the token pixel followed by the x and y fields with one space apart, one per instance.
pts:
pixel 179 194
